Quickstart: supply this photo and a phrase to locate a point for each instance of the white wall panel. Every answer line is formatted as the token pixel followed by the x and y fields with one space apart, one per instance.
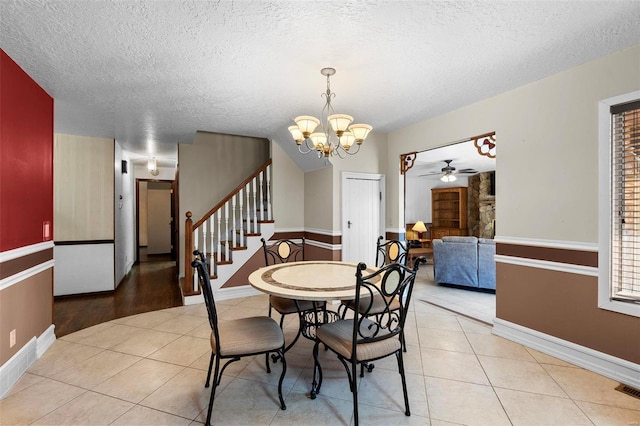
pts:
pixel 83 268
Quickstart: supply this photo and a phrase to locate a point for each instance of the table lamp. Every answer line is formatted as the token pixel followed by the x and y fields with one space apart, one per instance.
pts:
pixel 419 228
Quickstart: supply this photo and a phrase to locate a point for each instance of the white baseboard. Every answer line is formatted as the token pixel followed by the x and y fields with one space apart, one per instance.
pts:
pixel 192 300
pixel 606 365
pixel 18 364
pixel 236 292
pixel 224 294
pixel 45 340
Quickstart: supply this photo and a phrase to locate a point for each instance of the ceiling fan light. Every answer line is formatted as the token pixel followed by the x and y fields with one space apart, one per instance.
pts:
pixel 360 131
pixel 296 133
pixel 339 123
pixel 306 124
pixel 448 177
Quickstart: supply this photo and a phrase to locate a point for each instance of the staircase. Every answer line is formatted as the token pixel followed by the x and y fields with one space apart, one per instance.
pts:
pixel 229 234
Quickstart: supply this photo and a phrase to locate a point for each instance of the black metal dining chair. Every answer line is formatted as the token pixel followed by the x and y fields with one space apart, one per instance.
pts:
pixel 391 251
pixel 284 251
pixel 367 336
pixel 233 339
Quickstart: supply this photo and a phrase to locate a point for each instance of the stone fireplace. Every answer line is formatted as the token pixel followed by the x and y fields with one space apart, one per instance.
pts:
pixel 481 206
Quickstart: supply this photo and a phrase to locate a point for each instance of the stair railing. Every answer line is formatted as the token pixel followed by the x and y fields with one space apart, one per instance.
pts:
pixel 227 225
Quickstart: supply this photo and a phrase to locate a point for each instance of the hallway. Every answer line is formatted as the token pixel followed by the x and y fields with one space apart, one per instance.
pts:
pixel 149 286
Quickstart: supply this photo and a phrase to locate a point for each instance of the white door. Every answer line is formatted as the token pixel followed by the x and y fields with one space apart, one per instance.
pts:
pixel 158 221
pixel 362 216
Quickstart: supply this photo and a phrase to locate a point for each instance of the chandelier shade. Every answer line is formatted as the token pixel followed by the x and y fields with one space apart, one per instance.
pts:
pixel 339 123
pixel 306 124
pixel 297 134
pixel 360 131
pixel 338 134
pixel 347 139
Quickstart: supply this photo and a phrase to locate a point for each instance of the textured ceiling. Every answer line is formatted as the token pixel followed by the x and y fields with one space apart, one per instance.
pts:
pixel 151 73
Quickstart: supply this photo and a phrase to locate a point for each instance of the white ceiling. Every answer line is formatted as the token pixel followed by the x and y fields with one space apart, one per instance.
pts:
pixel 463 155
pixel 150 73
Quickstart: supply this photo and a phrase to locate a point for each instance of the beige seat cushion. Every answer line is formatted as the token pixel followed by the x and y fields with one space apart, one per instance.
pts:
pixel 337 335
pixel 378 304
pixel 248 335
pixel 288 306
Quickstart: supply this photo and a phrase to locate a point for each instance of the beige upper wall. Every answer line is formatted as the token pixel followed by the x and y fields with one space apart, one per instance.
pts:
pixel 288 190
pixel 372 158
pixel 211 168
pixel 318 200
pixel 547 148
pixel 322 187
pixel 83 175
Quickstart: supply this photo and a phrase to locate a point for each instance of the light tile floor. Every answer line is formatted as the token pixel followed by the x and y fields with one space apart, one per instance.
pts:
pixel 150 369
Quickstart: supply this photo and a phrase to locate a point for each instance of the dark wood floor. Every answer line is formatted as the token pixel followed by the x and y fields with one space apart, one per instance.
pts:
pixel 149 286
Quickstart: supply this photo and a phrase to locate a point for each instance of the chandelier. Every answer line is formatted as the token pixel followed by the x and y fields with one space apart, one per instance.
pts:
pixel 338 134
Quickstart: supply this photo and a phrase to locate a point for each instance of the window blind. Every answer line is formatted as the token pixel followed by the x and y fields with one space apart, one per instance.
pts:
pixel 625 196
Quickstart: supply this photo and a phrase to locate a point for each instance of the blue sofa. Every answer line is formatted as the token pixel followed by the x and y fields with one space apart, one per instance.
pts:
pixel 466 261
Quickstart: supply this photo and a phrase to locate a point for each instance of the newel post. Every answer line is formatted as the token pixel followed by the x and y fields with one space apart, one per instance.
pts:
pixel 187 285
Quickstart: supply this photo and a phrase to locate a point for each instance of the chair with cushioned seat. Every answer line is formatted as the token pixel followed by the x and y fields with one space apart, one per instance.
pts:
pixel 368 336
pixel 392 251
pixel 237 338
pixel 283 251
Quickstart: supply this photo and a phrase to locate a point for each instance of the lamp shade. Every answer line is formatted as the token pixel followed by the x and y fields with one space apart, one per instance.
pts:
pixel 347 139
pixel 339 122
pixel 296 133
pixel 360 131
pixel 318 139
pixel 419 227
pixel 307 124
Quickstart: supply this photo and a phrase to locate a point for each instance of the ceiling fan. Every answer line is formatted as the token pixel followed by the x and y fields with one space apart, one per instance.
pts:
pixel 448 172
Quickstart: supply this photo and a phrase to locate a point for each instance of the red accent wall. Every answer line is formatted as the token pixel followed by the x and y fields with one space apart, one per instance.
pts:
pixel 26 158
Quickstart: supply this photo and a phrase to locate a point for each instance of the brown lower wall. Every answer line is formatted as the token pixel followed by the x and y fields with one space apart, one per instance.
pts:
pixel 27 307
pixel 311 252
pixel 564 305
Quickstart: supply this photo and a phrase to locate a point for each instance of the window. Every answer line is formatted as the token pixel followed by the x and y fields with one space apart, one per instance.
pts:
pixel 619 254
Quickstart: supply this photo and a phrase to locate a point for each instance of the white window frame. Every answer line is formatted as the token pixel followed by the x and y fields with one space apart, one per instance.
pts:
pixel 604 225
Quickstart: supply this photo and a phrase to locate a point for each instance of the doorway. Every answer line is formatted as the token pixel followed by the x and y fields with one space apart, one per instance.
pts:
pixel 155 221
pixel 458 165
pixel 362 216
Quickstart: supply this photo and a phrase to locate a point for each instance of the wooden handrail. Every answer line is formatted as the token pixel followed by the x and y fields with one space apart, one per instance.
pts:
pixel 191 227
pixel 231 194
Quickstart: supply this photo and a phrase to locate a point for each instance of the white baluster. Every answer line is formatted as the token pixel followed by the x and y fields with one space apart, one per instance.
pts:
pixel 204 238
pixel 247 191
pixel 195 273
pixel 233 221
pixel 211 242
pixel 261 195
pixel 226 231
pixel 195 240
pixel 268 172
pixel 219 252
pixel 240 217
pixel 255 204
pixel 195 279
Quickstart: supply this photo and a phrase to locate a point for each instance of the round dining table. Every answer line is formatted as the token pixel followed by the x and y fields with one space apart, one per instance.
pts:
pixel 317 280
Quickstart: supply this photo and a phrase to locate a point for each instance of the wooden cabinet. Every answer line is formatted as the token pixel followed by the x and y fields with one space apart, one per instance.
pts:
pixel 448 212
